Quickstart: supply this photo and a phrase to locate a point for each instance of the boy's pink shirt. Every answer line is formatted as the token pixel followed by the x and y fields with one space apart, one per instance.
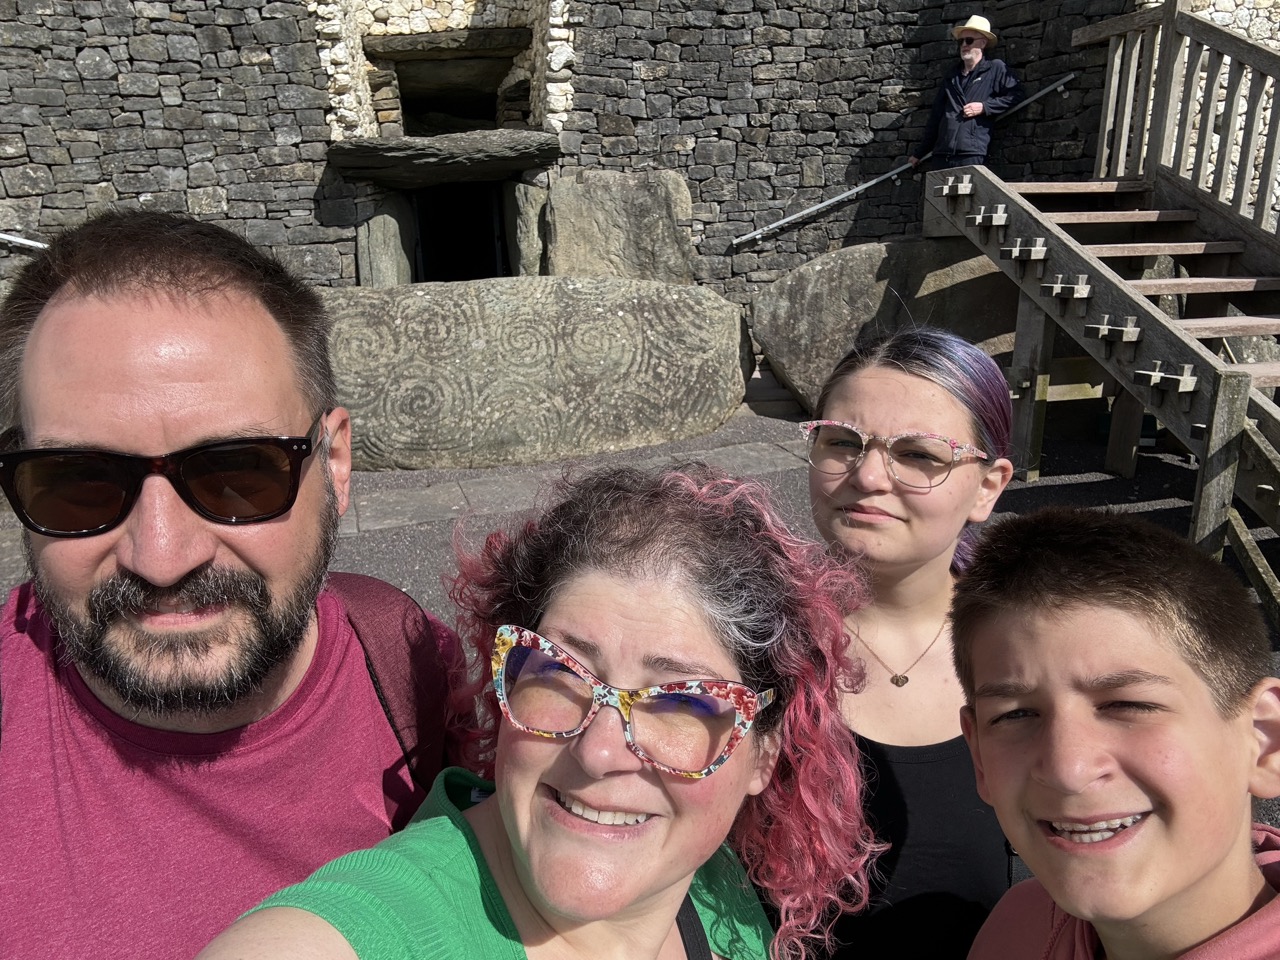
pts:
pixel 1027 925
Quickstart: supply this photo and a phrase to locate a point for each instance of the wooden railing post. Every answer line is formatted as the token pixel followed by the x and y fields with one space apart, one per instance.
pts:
pixel 1163 117
pixel 1032 352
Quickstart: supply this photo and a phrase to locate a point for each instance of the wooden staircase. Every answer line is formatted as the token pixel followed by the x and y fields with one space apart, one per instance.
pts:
pixel 1150 295
pixel 1205 278
pixel 1148 269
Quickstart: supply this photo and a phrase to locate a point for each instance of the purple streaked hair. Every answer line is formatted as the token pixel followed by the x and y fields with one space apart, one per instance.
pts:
pixel 955 365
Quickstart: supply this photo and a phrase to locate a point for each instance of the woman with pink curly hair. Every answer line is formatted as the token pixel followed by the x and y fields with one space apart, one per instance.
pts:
pixel 661 663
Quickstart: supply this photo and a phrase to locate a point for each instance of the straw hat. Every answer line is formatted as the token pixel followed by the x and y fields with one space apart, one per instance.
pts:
pixel 978 25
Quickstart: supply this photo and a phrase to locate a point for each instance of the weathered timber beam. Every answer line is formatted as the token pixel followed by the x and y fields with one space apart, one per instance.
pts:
pixel 1104 30
pixel 1238 48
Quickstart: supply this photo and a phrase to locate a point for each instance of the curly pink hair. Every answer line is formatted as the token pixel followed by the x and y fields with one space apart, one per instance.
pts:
pixel 776 602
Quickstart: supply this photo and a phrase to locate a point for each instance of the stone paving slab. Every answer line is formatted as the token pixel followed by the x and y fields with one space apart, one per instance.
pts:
pixel 399 508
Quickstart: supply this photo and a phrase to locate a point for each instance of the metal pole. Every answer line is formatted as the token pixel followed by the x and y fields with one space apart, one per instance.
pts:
pixel 892 174
pixel 778 224
pixel 10 238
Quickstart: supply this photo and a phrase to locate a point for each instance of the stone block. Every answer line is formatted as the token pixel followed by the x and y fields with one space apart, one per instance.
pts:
pixel 293 97
pixel 24 35
pixel 148 47
pixel 135 182
pixel 628 225
pixel 28 180
pixel 21 216
pixel 207 200
pixel 715 152
pixel 276 31
pixel 213 39
pixel 137 84
pixel 12 146
pixel 613 125
pixel 531 369
pixel 807 320
pixel 56 156
pixel 265 233
pixel 321 262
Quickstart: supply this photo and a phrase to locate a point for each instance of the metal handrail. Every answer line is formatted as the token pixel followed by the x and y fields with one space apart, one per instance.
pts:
pixel 22 242
pixel 891 175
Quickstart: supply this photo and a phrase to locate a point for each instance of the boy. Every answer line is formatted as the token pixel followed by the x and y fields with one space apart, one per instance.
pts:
pixel 1120 716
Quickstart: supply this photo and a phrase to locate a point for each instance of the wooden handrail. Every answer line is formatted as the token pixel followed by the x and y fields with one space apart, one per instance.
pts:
pixel 1163 56
pixel 1097 32
pixel 1236 47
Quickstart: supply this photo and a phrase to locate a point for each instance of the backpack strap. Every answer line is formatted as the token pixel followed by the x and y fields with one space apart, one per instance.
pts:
pixel 410 654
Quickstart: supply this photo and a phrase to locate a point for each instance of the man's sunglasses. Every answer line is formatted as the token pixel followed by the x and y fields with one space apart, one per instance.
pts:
pixel 82 493
pixel 968 40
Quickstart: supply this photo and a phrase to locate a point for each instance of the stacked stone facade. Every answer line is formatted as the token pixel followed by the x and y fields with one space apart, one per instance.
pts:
pixel 225 109
pixel 218 109
pixel 768 108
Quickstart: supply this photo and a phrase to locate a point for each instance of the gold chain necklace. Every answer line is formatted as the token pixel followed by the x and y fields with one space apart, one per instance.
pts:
pixel 901 679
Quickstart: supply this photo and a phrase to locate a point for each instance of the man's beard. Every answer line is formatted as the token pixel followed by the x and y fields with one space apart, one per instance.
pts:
pixel 103 644
pixel 969 57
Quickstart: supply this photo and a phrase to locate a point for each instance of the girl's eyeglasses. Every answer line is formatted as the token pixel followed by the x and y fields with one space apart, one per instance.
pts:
pixel 919 460
pixel 689 728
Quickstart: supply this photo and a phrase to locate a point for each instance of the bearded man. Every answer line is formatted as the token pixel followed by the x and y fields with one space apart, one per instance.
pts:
pixel 974 94
pixel 189 721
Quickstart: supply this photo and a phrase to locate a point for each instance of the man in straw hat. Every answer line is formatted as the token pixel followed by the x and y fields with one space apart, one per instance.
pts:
pixel 975 92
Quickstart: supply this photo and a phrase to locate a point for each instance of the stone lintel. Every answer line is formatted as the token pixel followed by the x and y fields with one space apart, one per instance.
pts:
pixel 449 44
pixel 407 163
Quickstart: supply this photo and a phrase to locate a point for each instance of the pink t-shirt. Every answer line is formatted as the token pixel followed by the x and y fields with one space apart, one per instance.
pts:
pixel 1027 925
pixel 120 841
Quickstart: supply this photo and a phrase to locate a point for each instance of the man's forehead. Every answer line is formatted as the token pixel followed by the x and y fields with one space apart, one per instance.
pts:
pixel 153 352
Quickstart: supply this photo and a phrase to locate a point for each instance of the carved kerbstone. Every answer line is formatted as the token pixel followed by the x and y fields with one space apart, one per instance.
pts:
pixel 530 369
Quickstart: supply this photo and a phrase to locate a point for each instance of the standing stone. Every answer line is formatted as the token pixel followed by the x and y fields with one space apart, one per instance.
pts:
pixel 632 225
pixel 524 205
pixel 383 242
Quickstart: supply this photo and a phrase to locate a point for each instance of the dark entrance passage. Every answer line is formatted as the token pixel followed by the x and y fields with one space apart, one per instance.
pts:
pixel 462 231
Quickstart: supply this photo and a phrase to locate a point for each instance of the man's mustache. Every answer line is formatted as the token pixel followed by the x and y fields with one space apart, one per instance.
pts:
pixel 125 593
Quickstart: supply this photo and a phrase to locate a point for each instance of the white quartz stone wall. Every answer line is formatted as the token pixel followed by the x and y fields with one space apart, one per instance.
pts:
pixel 1259 20
pixel 341 25
pixel 338 41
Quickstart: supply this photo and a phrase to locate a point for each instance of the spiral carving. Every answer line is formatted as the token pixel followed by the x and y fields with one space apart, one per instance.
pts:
pixel 531 369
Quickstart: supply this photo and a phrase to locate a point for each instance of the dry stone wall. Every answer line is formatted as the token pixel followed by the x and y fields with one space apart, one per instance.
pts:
pixel 226 110
pixel 769 107
pixel 217 109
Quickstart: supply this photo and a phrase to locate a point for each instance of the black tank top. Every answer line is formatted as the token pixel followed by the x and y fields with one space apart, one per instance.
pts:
pixel 948 862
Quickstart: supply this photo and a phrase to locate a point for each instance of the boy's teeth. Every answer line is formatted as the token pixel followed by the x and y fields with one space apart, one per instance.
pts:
pixel 606 817
pixel 1093 832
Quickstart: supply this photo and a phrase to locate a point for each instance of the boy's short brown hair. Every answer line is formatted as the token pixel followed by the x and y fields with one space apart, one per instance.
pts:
pixel 1062 557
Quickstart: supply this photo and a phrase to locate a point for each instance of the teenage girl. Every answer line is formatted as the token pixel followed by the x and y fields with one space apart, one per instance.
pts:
pixel 909 450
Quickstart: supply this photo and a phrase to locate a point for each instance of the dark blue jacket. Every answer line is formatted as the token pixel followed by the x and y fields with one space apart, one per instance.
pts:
pixel 948 130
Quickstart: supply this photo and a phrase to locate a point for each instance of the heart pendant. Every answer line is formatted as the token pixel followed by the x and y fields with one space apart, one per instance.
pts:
pixel 898 680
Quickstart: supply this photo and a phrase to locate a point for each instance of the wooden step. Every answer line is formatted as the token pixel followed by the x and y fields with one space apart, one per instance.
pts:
pixel 1027 188
pixel 1122 216
pixel 1152 288
pixel 1202 328
pixel 1105 251
pixel 1263 374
